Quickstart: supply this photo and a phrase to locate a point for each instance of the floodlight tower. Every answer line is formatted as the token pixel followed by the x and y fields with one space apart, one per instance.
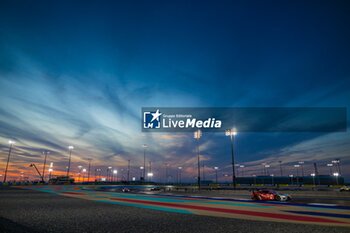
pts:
pixel 144 161
pixel 8 159
pixel 70 156
pixel 231 133
pixel 297 166
pixel 302 168
pixel 197 135
pixel 216 174
pixel 179 175
pixel 337 162
pixel 88 179
pixel 330 165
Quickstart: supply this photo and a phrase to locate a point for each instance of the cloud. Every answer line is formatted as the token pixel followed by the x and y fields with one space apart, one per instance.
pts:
pixel 87 90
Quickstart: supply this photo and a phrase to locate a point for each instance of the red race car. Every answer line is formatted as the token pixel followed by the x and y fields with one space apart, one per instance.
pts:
pixel 269 195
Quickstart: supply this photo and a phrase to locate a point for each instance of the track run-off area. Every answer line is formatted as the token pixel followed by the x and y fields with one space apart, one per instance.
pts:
pixel 319 214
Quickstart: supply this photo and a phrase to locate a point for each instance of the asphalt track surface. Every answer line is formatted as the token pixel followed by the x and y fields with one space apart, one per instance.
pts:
pixel 70 209
pixel 307 199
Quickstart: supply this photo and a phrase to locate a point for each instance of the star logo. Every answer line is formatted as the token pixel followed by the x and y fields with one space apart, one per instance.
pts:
pixel 156 115
pixel 151 120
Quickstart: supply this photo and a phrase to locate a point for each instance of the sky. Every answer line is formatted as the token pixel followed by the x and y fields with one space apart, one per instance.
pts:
pixel 79 72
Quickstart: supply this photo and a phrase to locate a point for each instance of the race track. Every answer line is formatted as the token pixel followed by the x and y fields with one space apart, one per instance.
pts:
pixel 320 214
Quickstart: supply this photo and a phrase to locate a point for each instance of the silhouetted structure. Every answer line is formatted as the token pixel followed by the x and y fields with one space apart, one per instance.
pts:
pixel 318 180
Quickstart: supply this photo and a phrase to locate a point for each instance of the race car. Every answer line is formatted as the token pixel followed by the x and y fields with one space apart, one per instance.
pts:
pixel 269 195
pixel 125 190
pixel 345 188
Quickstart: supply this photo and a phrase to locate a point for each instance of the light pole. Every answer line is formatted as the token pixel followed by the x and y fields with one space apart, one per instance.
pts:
pixel 226 175
pixel 150 175
pixel 109 174
pixel 237 169
pixel 166 172
pixel 337 161
pixel 179 176
pixel 45 153
pixel 197 135
pixel 264 169
pixel 150 170
pixel 8 159
pixel 302 168
pixel 115 174
pixel 70 155
pixel 291 178
pixel 297 166
pixel 316 173
pixel 122 175
pixel 330 165
pixel 230 133
pixel 144 161
pixel 50 172
pixel 216 174
pixel 99 174
pixel 84 170
pixel 313 178
pixel 89 170
pixel 336 174
pixel 254 179
pixel 129 170
pixel 267 169
pixel 242 166
pixel 141 169
pixel 80 167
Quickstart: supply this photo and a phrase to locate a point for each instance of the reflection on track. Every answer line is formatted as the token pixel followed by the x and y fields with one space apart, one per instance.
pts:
pixel 214 206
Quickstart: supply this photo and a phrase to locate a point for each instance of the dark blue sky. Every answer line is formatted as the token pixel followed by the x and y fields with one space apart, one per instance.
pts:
pixel 79 72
